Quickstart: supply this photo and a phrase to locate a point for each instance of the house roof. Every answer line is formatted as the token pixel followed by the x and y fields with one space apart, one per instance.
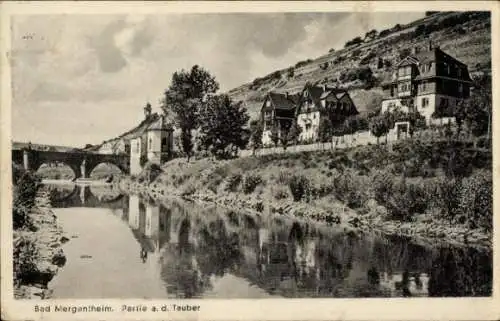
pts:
pixel 318 93
pixel 283 101
pixel 424 57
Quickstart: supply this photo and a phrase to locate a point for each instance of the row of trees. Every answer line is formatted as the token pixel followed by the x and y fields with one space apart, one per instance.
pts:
pixel 220 123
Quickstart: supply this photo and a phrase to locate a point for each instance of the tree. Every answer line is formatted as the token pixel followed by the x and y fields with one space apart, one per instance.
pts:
pixel 275 134
pixel 325 132
pixel 416 120
pixel 223 126
pixel 338 130
pixel 379 126
pixel 475 111
pixel 184 98
pixel 290 134
pixel 256 132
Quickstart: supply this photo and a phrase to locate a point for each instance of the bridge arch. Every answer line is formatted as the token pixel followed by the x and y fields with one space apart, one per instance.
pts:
pixel 103 170
pixel 39 165
pixel 92 163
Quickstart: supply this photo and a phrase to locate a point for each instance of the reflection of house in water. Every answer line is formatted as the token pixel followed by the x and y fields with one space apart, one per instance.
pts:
pixel 198 249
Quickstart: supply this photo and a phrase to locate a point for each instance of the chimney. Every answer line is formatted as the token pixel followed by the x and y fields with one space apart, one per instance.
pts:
pixel 147 110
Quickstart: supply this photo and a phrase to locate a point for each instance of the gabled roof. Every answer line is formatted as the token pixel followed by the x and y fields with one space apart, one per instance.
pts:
pixel 317 93
pixel 408 60
pixel 282 101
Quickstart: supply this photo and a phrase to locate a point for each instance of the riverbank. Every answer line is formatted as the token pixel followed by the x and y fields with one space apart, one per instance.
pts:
pixel 261 185
pixel 37 251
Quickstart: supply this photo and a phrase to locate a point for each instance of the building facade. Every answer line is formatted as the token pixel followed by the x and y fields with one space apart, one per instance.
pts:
pixel 430 82
pixel 153 144
pixel 277 113
pixel 318 102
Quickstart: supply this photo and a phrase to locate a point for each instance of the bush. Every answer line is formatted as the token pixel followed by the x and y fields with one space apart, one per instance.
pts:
pixel 25 253
pixel 382 186
pixel 233 181
pixel 446 193
pixel 24 191
pixel 406 200
pixel 250 182
pixel 347 188
pixel 476 200
pixel 352 42
pixel 299 187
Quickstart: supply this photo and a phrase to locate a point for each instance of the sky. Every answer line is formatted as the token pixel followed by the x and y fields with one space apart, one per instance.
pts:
pixel 82 79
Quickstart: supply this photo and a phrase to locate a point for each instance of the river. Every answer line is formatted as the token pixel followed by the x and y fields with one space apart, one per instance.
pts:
pixel 131 246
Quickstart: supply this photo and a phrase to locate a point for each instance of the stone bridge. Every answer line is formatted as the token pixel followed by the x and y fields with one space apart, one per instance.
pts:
pixel 81 162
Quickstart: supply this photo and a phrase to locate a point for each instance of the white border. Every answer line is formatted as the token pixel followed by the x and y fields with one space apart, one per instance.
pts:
pixel 235 309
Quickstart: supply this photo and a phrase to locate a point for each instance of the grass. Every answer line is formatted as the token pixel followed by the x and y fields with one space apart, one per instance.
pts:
pixel 446 181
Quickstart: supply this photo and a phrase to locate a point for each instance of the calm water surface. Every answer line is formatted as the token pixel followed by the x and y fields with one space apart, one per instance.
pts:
pixel 128 246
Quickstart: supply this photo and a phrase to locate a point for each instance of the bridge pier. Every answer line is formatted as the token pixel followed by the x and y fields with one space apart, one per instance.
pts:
pixel 83 169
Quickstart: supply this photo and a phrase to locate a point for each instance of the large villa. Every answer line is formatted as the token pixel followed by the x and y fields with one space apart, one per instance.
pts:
pixel 430 81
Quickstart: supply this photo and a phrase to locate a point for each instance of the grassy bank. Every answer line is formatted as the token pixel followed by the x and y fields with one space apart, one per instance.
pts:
pixel 37 238
pixel 436 191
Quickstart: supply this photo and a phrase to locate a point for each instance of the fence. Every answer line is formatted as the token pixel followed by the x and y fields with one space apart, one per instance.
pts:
pixel 352 140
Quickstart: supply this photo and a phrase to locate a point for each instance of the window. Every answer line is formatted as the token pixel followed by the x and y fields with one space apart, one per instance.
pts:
pixel 268 103
pixel 425 102
pixel 460 88
pixel 443 102
pixel 150 144
pixel 459 72
pixel 164 141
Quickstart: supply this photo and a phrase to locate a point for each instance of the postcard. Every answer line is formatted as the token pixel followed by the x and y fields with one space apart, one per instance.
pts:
pixel 249 160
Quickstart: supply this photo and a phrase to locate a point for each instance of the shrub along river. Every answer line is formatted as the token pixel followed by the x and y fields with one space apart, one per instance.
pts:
pixel 130 246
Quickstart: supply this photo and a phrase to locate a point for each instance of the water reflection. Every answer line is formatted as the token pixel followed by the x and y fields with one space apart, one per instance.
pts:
pixel 212 252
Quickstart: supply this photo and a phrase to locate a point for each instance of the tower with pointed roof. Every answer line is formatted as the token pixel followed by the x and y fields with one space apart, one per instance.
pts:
pixel 151 141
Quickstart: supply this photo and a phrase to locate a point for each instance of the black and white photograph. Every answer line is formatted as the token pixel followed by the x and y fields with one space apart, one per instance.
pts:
pixel 250 155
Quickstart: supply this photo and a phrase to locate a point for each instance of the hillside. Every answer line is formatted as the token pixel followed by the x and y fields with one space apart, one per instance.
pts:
pixel 361 66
